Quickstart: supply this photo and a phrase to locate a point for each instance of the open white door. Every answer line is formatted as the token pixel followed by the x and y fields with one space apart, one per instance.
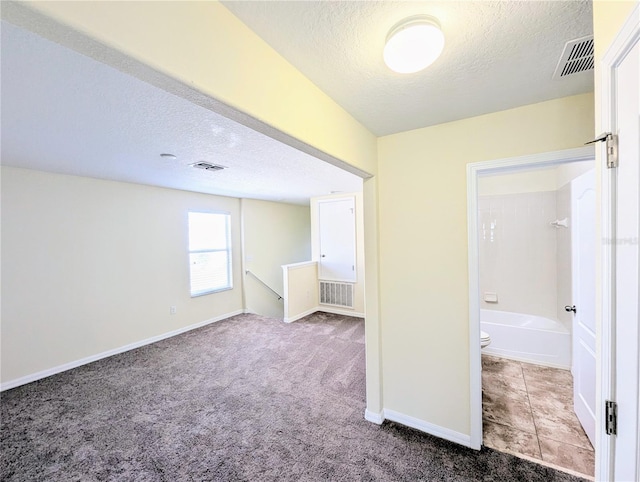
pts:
pixel 628 86
pixel 621 266
pixel 583 239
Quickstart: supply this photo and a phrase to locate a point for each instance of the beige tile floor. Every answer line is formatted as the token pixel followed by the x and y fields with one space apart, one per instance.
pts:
pixel 528 409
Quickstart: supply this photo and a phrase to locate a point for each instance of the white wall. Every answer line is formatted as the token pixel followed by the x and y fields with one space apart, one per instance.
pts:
pixel 274 234
pixel 90 266
pixel 517 252
pixel 359 285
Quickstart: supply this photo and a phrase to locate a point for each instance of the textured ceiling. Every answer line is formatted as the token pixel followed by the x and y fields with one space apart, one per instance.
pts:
pixel 64 112
pixel 497 55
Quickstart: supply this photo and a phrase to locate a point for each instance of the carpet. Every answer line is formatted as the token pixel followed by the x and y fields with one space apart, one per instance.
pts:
pixel 245 399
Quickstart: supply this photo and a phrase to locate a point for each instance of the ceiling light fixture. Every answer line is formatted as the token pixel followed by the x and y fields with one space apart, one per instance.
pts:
pixel 413 44
pixel 168 156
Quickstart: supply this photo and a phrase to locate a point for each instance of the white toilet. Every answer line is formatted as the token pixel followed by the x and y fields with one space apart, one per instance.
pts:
pixel 485 339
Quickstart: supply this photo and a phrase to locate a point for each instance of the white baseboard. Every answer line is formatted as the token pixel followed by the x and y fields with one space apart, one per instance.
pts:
pixel 374 417
pixel 430 428
pixel 74 364
pixel 337 311
pixel 301 315
pixel 324 309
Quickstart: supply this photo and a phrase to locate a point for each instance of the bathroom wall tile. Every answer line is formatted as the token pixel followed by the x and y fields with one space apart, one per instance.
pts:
pixel 563 257
pixel 568 456
pixel 517 252
pixel 502 437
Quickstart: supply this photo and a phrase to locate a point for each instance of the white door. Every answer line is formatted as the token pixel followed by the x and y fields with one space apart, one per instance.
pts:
pixel 626 123
pixel 337 228
pixel 583 240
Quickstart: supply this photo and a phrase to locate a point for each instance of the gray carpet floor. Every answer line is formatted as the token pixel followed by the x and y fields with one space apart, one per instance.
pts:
pixel 245 399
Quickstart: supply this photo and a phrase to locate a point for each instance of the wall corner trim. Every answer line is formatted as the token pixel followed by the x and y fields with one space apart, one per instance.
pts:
pixel 324 309
pixel 131 346
pixel 431 429
pixel 301 315
pixel 337 311
pixel 374 417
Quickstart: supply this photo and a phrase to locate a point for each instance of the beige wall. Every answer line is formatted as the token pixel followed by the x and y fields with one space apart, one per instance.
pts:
pixel 274 234
pixel 359 285
pixel 516 183
pixel 90 266
pixel 423 247
pixel 300 290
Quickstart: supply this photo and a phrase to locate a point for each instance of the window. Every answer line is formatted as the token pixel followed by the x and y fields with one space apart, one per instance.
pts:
pixel 209 252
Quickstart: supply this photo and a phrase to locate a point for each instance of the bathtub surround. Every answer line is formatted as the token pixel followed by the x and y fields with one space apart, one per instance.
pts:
pixel 524 259
pixel 528 410
pixel 563 257
pixel 248 398
pixel 517 248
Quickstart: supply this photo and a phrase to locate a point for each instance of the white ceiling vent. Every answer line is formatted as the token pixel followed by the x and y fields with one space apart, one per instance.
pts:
pixel 576 57
pixel 207 166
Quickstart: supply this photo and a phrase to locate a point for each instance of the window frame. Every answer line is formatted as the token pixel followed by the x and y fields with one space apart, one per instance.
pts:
pixel 228 250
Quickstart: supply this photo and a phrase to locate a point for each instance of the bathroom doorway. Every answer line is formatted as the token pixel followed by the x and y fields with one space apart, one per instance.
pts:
pixel 538 369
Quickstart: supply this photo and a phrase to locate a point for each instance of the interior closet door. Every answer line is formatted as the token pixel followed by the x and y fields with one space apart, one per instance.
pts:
pixel 337 228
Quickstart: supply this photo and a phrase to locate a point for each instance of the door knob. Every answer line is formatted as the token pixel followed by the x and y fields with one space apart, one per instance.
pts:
pixel 570 308
pixel 323 255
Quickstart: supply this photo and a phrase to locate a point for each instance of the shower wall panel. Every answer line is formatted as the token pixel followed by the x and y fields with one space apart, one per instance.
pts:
pixel 517 252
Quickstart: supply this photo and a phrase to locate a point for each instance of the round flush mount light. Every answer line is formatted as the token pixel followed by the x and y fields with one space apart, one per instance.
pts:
pixel 413 44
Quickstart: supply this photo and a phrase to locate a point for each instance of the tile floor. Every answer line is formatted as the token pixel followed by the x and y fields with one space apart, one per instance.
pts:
pixel 528 409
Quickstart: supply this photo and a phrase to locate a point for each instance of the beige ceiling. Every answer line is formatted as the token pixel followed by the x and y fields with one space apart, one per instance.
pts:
pixel 498 55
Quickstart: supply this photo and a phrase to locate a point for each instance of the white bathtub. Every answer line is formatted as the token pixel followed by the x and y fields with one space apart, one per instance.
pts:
pixel 527 338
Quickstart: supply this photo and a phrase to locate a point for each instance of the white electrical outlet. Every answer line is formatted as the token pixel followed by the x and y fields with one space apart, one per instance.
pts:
pixel 172 310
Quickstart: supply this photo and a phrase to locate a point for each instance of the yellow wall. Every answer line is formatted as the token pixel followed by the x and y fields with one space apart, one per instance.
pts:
pixel 90 266
pixel 423 246
pixel 274 234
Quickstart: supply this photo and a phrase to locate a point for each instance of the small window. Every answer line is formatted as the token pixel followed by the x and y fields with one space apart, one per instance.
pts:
pixel 209 252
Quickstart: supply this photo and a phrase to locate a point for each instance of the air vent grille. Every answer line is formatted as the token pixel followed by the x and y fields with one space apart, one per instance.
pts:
pixel 208 166
pixel 576 57
pixel 336 294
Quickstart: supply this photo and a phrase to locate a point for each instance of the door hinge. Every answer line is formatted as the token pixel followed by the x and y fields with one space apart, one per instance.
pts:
pixel 611 141
pixel 611 417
